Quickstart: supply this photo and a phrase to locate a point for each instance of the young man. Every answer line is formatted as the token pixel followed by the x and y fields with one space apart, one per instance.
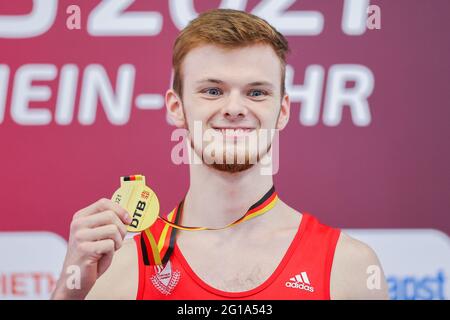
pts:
pixel 229 77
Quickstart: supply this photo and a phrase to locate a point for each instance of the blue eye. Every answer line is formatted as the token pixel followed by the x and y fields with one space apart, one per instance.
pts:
pixel 212 91
pixel 257 93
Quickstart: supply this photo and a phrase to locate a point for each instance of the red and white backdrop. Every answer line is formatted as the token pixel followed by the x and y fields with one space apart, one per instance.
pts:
pixel 366 149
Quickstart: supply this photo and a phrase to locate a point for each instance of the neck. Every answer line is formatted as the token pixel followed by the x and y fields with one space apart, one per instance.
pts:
pixel 216 198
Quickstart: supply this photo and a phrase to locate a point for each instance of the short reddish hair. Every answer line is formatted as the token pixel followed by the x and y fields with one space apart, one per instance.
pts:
pixel 229 29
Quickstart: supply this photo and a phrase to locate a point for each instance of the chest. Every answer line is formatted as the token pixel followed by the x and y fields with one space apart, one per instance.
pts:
pixel 238 277
pixel 234 267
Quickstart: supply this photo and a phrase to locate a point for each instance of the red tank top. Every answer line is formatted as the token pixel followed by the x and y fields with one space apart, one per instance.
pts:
pixel 303 273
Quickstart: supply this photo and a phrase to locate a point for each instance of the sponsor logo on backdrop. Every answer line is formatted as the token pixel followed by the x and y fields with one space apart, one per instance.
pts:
pixel 416 262
pixel 30 264
pixel 79 92
pixel 413 287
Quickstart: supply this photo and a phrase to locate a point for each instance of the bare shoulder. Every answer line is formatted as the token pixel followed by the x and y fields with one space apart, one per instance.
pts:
pixel 120 281
pixel 356 272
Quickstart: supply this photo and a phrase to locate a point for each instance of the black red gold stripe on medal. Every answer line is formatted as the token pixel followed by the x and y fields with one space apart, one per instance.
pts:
pixel 133 178
pixel 160 251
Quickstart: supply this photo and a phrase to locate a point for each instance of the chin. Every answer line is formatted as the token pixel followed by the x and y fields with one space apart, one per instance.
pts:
pixel 231 168
pixel 245 161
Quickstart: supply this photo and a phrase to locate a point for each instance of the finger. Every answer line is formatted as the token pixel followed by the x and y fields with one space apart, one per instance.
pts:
pixel 99 248
pixel 102 219
pixel 103 205
pixel 104 263
pixel 110 231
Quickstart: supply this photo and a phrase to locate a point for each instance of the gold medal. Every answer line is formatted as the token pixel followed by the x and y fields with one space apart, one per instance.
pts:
pixel 139 200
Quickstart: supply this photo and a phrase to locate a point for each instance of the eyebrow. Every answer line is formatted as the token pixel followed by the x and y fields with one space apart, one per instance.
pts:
pixel 255 83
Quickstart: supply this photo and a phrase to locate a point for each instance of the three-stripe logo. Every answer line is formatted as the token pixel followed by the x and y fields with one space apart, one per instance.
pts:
pixel 301 278
pixel 300 281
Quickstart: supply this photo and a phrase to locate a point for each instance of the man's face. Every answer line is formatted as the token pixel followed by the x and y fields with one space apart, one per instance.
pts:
pixel 232 93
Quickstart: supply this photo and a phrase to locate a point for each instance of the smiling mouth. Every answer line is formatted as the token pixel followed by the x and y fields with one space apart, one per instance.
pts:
pixel 234 132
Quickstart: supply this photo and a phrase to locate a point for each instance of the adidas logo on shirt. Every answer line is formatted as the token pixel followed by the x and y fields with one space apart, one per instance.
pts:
pixel 300 281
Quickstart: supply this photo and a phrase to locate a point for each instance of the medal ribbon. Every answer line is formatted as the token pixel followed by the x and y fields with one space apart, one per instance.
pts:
pixel 159 252
pixel 266 203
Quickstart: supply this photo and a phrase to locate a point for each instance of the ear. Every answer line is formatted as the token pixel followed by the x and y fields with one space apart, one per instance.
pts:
pixel 174 107
pixel 283 118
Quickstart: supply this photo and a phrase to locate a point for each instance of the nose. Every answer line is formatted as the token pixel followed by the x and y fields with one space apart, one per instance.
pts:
pixel 234 107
